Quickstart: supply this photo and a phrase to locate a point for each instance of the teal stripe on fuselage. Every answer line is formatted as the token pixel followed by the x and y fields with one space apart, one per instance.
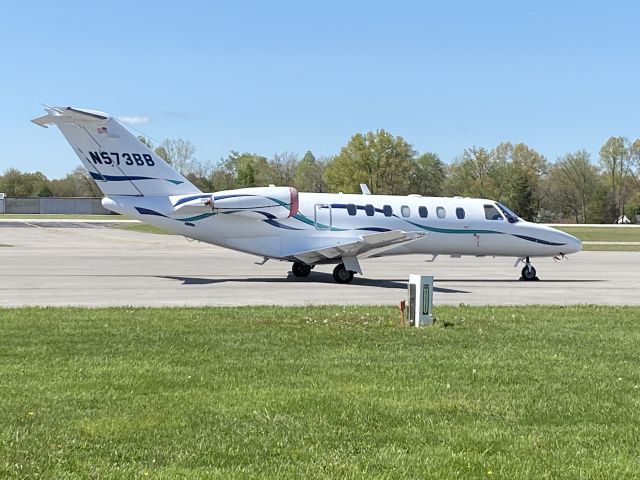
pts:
pixel 457 231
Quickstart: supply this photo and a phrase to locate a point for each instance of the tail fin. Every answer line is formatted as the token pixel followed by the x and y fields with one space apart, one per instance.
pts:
pixel 118 162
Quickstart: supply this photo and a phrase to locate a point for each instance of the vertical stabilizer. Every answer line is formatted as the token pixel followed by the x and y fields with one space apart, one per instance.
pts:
pixel 118 162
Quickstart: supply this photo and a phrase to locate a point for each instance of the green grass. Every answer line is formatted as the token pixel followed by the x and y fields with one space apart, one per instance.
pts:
pixel 319 392
pixel 5 245
pixel 141 227
pixel 54 216
pixel 604 234
pixel 610 248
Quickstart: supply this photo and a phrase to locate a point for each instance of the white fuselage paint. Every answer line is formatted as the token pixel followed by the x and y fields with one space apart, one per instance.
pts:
pixel 316 225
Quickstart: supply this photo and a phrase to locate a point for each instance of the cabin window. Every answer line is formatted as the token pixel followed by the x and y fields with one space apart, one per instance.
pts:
pixel 369 210
pixel 387 210
pixel 351 209
pixel 405 211
pixel 491 213
pixel 423 212
pixel 440 212
pixel 460 213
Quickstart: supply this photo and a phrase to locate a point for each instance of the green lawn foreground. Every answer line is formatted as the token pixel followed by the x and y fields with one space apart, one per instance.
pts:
pixel 320 392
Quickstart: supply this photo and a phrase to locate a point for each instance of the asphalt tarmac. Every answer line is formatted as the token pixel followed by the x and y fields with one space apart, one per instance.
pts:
pixel 92 264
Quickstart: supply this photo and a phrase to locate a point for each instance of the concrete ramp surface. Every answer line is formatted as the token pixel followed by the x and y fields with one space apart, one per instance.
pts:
pixel 103 266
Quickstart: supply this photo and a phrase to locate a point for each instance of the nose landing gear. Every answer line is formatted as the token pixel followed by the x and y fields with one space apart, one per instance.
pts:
pixel 528 272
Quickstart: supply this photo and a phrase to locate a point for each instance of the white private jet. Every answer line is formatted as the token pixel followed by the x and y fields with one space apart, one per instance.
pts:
pixel 306 229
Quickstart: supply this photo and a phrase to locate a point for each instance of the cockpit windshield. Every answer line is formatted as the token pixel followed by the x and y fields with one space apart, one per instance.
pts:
pixel 511 217
pixel 492 213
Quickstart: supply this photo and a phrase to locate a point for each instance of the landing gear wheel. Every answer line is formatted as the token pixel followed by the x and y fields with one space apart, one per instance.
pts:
pixel 299 269
pixel 341 274
pixel 528 273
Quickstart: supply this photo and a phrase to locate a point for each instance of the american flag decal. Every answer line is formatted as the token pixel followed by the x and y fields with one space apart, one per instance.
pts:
pixel 102 129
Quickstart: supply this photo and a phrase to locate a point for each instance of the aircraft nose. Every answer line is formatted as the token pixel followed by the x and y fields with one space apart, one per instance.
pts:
pixel 574 244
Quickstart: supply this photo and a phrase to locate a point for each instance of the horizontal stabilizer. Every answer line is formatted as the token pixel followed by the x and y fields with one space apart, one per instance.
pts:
pixel 56 115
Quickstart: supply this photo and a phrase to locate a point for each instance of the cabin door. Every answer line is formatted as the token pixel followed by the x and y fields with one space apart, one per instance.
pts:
pixel 322 217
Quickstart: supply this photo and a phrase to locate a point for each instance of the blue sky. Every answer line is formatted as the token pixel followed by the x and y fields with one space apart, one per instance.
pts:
pixel 277 76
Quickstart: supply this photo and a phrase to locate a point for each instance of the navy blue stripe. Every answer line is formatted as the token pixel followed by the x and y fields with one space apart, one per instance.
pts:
pixel 363 207
pixel 187 199
pixel 120 178
pixel 359 207
pixel 538 240
pixel 222 197
pixel 147 211
pixel 275 223
pixel 270 216
pixel 375 229
pixel 126 178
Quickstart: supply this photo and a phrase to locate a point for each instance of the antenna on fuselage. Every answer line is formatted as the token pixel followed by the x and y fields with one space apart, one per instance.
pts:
pixel 365 189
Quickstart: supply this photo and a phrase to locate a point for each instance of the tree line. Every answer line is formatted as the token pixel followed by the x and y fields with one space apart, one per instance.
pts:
pixel 573 188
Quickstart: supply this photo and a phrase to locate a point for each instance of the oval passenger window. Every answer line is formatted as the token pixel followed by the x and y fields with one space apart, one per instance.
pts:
pixel 369 210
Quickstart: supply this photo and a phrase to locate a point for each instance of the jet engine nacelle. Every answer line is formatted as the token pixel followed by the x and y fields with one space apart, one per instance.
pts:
pixel 255 202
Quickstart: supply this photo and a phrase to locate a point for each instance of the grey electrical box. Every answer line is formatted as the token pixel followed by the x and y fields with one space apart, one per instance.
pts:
pixel 420 300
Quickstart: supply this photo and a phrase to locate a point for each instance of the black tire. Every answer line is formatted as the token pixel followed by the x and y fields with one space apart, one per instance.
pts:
pixel 528 272
pixel 342 275
pixel 299 269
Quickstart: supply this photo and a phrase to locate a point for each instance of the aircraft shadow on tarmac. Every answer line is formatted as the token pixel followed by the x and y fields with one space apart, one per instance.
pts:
pixel 320 277
pixel 315 277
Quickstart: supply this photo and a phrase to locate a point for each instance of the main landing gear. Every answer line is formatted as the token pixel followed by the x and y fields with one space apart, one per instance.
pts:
pixel 340 273
pixel 300 269
pixel 528 272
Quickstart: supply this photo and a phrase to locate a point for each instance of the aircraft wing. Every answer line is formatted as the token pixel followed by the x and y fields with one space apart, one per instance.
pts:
pixel 365 246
